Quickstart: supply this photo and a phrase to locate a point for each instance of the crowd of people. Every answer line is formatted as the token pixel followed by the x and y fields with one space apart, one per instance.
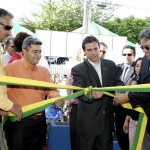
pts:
pixel 91 118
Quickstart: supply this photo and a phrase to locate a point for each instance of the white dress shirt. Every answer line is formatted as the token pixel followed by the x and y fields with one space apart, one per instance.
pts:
pixel 97 67
pixel 6 58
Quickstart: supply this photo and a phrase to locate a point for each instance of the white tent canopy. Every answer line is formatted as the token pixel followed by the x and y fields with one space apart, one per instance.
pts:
pixel 94 28
pixel 66 44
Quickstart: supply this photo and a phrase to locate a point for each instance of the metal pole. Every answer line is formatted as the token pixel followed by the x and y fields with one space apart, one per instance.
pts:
pixel 86 16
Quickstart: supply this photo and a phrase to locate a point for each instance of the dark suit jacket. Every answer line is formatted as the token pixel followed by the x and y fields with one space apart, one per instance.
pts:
pixel 140 98
pixel 95 115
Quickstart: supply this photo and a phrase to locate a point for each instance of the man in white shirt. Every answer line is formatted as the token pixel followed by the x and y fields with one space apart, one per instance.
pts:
pixel 95 113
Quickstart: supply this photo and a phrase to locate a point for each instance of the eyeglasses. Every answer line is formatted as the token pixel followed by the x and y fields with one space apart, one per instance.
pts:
pixel 104 52
pixel 127 54
pixel 147 47
pixel 6 27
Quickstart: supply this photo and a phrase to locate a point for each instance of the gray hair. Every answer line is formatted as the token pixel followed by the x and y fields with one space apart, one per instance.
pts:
pixel 144 35
pixel 103 44
pixel 30 40
pixel 8 40
pixel 4 12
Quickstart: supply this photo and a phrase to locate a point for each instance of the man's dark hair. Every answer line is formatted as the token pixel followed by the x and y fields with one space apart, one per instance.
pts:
pixel 144 35
pixel 18 41
pixel 130 47
pixel 4 12
pixel 30 40
pixel 89 39
pixel 7 42
pixel 104 44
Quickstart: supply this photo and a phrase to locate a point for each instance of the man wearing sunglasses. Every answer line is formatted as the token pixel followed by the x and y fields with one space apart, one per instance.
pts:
pixel 5 104
pixel 125 71
pixel 5 24
pixel 140 98
pixel 103 49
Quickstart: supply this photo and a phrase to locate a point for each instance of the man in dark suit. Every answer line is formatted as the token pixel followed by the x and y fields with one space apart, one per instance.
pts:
pixel 126 72
pixel 140 98
pixel 95 114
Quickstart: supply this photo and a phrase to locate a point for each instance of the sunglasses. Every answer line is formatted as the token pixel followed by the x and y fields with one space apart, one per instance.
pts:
pixel 127 54
pixel 147 47
pixel 104 52
pixel 6 27
pixel 12 46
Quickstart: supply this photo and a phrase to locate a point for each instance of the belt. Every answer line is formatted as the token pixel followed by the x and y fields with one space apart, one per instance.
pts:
pixel 36 116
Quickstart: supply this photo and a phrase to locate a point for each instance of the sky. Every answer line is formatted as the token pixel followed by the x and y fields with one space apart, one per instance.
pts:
pixel 21 8
pixel 139 9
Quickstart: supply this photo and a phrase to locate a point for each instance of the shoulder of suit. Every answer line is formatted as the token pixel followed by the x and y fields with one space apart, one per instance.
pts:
pixel 145 59
pixel 79 65
pixel 120 65
pixel 107 61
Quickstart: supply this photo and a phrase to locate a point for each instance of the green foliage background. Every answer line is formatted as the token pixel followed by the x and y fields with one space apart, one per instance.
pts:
pixel 67 15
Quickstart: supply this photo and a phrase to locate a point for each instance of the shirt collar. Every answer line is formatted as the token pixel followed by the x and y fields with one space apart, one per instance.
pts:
pixel 27 65
pixel 93 64
pixel 6 53
pixel 128 65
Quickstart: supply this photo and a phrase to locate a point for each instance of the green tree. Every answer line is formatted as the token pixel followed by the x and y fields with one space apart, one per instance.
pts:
pixel 129 26
pixel 64 15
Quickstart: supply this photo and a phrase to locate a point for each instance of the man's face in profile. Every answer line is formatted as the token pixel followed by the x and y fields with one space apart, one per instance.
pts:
pixel 5 27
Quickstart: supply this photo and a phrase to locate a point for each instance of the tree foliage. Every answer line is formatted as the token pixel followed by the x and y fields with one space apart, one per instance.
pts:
pixel 67 15
pixel 129 26
pixel 64 15
pixel 103 13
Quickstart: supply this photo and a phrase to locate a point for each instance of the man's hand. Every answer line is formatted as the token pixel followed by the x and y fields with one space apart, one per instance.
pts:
pixel 126 124
pixel 121 98
pixel 17 111
pixel 97 95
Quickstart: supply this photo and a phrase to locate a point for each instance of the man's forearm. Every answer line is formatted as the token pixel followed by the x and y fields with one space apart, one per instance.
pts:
pixel 5 103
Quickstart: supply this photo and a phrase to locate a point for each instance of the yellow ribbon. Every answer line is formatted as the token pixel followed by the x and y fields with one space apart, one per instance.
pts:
pixel 28 82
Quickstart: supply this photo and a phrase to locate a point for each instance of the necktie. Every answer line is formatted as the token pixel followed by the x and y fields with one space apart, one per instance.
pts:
pixel 124 73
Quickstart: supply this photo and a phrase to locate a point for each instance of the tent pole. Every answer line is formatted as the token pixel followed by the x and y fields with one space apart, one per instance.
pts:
pixel 86 16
